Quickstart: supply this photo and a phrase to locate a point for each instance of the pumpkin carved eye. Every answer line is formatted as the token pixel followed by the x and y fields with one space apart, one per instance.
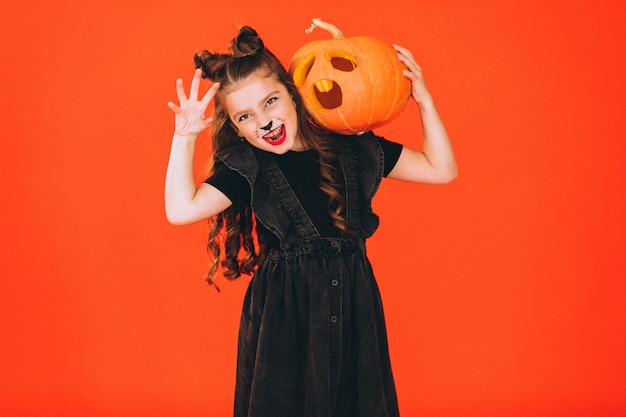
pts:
pixel 342 61
pixel 302 70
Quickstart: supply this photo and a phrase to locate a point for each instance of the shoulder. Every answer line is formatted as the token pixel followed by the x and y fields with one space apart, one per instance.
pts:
pixel 371 150
pixel 361 136
pixel 357 143
pixel 366 138
pixel 232 177
pixel 364 149
pixel 241 159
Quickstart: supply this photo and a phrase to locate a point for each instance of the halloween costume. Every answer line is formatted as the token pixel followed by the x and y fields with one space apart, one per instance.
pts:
pixel 312 338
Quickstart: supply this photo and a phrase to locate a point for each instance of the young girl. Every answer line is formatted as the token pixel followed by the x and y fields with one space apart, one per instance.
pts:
pixel 312 338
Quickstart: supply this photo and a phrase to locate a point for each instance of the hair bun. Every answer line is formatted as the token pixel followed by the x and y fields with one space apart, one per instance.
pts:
pixel 246 43
pixel 210 63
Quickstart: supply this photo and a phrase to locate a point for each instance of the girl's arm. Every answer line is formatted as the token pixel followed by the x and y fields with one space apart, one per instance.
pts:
pixel 435 164
pixel 184 202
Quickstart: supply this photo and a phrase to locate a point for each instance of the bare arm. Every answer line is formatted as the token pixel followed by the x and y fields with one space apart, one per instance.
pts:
pixel 435 163
pixel 184 202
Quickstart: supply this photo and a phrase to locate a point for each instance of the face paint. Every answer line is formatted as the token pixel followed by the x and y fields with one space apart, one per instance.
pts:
pixel 273 133
pixel 263 113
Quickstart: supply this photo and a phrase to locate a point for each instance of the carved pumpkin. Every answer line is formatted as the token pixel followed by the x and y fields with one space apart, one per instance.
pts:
pixel 350 85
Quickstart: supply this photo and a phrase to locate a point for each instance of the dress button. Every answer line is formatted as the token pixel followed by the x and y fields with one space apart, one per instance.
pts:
pixel 334 283
pixel 334 244
pixel 333 319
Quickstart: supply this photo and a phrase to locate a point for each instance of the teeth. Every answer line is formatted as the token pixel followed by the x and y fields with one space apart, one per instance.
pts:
pixel 274 134
pixel 324 86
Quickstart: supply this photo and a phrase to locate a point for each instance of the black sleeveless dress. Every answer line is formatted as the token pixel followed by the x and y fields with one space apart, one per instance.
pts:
pixel 312 338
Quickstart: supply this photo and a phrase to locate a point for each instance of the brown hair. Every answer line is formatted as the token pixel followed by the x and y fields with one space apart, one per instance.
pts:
pixel 249 56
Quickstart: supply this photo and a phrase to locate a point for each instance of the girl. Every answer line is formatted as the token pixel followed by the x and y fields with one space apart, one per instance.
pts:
pixel 312 338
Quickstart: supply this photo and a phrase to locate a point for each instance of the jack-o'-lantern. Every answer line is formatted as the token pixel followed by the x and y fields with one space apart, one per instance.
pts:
pixel 350 85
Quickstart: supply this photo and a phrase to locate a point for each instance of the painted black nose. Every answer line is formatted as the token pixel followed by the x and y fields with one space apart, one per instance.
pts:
pixel 267 126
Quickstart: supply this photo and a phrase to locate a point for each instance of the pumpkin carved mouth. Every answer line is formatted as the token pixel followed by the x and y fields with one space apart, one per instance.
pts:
pixel 328 94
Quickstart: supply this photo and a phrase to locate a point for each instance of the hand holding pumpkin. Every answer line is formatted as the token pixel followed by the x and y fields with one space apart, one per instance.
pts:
pixel 190 113
pixel 419 92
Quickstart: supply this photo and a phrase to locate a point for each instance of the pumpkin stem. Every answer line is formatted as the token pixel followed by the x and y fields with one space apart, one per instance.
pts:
pixel 319 23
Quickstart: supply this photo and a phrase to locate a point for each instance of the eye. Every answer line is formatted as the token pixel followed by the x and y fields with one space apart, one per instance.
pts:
pixel 243 118
pixel 271 101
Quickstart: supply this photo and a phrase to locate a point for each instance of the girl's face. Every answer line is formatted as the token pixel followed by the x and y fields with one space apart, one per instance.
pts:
pixel 262 111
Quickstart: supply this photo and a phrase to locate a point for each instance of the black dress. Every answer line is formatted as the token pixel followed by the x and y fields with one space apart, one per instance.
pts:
pixel 312 338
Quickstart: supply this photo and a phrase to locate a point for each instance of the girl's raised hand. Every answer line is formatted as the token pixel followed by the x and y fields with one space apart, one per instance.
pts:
pixel 191 117
pixel 418 86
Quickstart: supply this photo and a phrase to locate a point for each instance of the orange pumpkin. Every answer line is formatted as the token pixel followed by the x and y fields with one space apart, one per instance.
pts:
pixel 350 85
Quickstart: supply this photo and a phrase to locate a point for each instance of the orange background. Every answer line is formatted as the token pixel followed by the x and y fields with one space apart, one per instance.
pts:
pixel 505 291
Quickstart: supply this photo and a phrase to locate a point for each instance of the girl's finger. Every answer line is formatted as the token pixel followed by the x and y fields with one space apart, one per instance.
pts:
pixel 195 84
pixel 173 107
pixel 398 47
pixel 180 92
pixel 208 122
pixel 403 51
pixel 406 57
pixel 210 94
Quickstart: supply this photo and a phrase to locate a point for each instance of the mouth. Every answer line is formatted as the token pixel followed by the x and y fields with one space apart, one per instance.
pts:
pixel 276 136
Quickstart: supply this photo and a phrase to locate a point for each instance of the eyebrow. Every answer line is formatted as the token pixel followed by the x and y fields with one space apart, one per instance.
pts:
pixel 267 97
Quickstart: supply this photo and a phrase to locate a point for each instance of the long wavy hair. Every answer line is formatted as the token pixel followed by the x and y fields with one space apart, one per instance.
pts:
pixel 233 229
